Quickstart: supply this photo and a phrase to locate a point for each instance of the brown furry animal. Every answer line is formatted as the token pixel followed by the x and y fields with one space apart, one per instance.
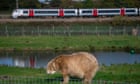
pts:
pixel 81 64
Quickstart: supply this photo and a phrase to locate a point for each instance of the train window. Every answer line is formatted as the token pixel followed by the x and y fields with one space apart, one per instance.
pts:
pixel 52 11
pixel 108 11
pixel 69 11
pixel 39 11
pixel 25 11
pixel 90 11
pixel 130 10
pixel 46 11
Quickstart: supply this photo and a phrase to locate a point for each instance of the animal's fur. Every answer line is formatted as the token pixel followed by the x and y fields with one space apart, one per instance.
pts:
pixel 81 64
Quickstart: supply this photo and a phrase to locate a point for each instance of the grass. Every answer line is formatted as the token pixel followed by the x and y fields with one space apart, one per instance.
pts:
pixel 16 71
pixel 121 72
pixel 71 42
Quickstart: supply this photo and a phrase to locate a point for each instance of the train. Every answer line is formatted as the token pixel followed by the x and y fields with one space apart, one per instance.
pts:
pixel 91 12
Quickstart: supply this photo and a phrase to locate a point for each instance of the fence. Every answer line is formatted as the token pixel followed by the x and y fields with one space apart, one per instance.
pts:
pixel 46 80
pixel 68 30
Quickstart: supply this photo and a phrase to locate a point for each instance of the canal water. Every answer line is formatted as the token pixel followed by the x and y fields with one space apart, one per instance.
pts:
pixel 39 59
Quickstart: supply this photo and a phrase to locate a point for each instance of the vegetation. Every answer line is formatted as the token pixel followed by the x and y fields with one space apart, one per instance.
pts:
pixel 16 71
pixel 94 3
pixel 121 72
pixel 71 42
pixel 11 4
pixel 116 21
pixel 124 72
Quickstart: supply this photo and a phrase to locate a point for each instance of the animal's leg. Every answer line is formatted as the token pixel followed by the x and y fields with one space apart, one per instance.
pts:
pixel 88 78
pixel 87 81
pixel 65 79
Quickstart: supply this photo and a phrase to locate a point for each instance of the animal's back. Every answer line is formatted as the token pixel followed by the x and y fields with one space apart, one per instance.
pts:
pixel 81 63
pixel 85 58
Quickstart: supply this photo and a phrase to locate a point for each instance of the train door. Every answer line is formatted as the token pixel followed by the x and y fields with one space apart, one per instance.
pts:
pixel 95 12
pixel 31 12
pixel 122 12
pixel 61 12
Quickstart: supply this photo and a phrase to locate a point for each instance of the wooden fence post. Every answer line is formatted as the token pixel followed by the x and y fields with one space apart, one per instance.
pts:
pixel 38 30
pixel 68 30
pixel 23 31
pixel 124 31
pixel 6 31
pixel 110 28
pixel 97 33
pixel 53 33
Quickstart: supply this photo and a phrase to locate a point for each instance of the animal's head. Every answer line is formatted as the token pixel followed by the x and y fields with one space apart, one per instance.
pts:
pixel 51 67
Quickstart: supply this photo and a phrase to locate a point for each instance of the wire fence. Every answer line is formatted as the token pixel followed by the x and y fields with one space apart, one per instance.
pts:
pixel 68 30
pixel 47 80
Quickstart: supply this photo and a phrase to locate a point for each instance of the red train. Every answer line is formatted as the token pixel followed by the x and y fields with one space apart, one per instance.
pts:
pixel 76 12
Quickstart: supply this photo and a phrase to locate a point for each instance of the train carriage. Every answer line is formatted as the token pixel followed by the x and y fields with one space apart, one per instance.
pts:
pixel 99 12
pixel 44 12
pixel 70 12
pixel 20 13
pixel 86 12
pixel 108 12
pixel 131 11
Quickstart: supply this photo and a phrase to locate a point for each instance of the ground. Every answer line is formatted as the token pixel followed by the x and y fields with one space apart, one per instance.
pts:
pixel 79 19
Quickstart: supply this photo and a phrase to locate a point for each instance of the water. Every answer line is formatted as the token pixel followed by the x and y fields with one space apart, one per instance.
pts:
pixel 39 59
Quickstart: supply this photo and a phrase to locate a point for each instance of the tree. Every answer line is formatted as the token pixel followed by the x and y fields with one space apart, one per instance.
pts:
pixel 129 3
pixel 117 3
pixel 29 4
pixel 137 3
pixel 66 4
pixel 108 3
pixel 78 5
pixel 55 3
pixel 88 4
pixel 7 5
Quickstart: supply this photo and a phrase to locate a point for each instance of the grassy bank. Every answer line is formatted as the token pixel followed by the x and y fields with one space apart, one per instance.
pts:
pixel 71 42
pixel 63 23
pixel 122 72
pixel 112 21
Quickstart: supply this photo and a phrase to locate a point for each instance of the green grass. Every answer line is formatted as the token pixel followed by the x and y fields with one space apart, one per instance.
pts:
pixel 124 72
pixel 16 71
pixel 121 72
pixel 71 42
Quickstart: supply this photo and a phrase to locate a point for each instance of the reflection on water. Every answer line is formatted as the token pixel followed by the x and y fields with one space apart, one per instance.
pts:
pixel 109 58
pixel 39 59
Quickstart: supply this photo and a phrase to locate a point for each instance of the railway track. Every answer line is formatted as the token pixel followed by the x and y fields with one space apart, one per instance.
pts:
pixel 58 20
pixel 7 18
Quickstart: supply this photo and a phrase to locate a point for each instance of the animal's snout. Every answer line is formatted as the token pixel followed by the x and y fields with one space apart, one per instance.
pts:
pixel 50 72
